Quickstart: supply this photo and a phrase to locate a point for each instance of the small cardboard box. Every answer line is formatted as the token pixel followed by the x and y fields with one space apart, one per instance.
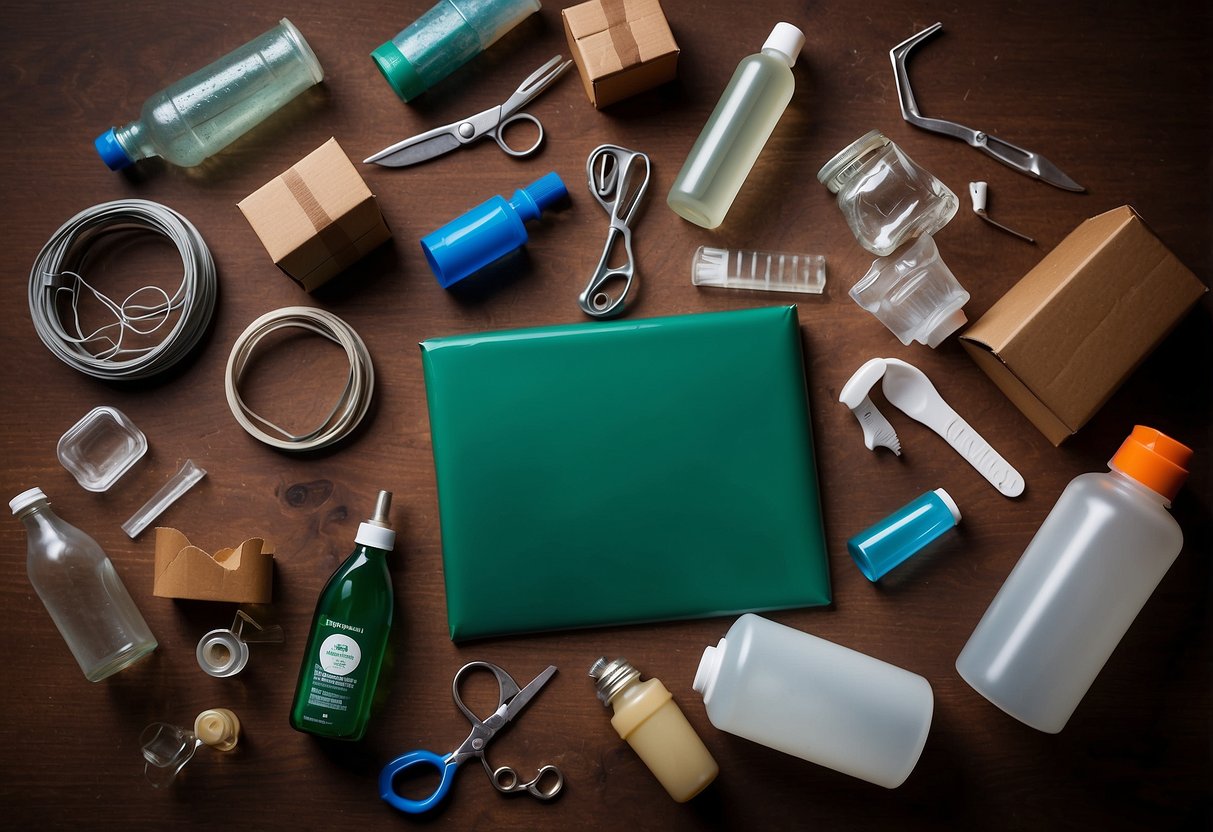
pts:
pixel 1061 341
pixel 621 47
pixel 244 575
pixel 317 218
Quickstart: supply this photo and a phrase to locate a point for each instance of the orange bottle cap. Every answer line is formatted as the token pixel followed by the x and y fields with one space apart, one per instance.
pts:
pixel 1154 459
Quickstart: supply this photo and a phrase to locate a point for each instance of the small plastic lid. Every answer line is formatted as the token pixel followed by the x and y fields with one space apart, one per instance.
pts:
pixel 828 175
pixel 111 151
pixel 787 40
pixel 946 325
pixel 539 196
pixel 949 502
pixel 25 499
pixel 218 728
pixel 399 73
pixel 1153 459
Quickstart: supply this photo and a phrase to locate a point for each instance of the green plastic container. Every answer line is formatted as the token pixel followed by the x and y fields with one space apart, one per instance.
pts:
pixel 444 39
pixel 348 639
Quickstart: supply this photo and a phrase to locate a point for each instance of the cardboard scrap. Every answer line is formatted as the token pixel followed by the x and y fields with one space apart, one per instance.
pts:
pixel 243 575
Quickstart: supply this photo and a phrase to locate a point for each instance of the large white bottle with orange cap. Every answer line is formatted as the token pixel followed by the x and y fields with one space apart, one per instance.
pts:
pixel 1084 577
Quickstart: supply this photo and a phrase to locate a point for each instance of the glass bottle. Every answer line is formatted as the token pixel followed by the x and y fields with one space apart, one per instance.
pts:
pixel 205 112
pixel 1082 580
pixel 914 294
pixel 81 590
pixel 649 719
pixel 348 639
pixel 737 130
pixel 816 700
pixel 886 198
pixel 445 38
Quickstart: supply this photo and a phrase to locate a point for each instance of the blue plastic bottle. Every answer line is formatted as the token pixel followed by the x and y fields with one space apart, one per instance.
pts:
pixel 489 231
pixel 880 548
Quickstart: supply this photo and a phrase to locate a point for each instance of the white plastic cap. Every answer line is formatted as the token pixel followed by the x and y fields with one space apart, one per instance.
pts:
pixel 787 40
pixel 376 537
pixel 946 326
pixel 949 502
pixel 709 669
pixel 25 499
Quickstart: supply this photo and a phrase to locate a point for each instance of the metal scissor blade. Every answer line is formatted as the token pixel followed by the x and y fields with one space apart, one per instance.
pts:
pixel 527 693
pixel 415 149
pixel 1025 161
pixel 535 83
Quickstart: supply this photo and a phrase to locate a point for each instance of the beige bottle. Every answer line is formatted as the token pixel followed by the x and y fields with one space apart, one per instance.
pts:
pixel 647 716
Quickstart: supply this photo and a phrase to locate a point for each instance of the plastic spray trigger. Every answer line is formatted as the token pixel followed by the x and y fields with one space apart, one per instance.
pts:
pixel 979 191
pixel 877 432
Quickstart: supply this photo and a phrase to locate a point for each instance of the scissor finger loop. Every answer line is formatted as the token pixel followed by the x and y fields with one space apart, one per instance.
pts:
pixel 546 784
pixel 618 179
pixel 499 134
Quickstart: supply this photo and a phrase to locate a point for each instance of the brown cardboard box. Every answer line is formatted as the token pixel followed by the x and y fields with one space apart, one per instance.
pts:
pixel 317 218
pixel 1061 341
pixel 621 47
pixel 244 575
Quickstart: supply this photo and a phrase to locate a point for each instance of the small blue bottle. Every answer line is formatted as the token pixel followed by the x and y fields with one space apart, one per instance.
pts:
pixel 489 231
pixel 880 548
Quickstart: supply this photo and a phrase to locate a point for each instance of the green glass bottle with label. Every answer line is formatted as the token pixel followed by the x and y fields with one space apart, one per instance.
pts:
pixel 345 647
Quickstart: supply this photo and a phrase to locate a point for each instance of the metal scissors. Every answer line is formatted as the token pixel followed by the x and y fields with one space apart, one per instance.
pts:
pixel 505 779
pixel 1024 161
pixel 490 122
pixel 618 179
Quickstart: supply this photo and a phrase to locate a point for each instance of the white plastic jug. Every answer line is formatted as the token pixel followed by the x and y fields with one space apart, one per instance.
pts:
pixel 816 700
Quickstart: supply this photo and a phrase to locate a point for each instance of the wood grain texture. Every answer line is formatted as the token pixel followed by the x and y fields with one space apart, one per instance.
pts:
pixel 1116 93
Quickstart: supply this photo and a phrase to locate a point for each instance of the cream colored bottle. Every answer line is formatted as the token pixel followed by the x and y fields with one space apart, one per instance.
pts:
pixel 649 719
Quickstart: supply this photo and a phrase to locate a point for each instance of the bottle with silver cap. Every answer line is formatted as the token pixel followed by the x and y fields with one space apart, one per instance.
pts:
pixel 647 716
pixel 348 639
pixel 81 590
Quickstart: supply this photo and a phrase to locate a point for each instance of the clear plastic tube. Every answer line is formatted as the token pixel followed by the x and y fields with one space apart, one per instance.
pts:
pixel 181 482
pixel 768 271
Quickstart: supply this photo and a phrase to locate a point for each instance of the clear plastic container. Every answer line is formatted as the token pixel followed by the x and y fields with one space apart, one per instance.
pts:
pixel 914 294
pixel 81 591
pixel 885 197
pixel 816 700
pixel 1082 580
pixel 200 115
pixel 445 38
pixel 101 447
pixel 737 130
pixel 767 271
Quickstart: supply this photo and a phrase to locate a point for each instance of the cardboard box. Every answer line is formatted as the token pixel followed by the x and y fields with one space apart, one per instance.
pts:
pixel 244 575
pixel 317 218
pixel 1061 341
pixel 621 47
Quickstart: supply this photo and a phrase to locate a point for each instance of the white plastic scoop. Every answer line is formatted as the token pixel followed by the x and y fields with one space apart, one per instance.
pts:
pixel 908 388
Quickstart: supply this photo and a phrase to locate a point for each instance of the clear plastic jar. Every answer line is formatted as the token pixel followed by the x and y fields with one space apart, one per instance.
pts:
pixel 914 294
pixel 885 197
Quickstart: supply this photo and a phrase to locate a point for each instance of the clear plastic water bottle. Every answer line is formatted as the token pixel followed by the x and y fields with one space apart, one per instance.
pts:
pixel 1084 577
pixel 737 130
pixel 200 115
pixel 81 590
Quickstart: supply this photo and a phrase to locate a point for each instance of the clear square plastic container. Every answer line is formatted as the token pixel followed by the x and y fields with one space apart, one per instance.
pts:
pixel 101 447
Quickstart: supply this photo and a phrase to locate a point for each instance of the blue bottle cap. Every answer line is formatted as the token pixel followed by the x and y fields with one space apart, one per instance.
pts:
pixel 539 196
pixel 111 151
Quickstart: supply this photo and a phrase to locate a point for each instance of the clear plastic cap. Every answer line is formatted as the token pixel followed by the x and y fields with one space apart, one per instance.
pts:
pixel 787 40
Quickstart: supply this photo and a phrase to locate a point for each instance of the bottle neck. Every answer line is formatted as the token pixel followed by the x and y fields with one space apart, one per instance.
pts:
pixel 1137 488
pixel 38 517
pixel 135 141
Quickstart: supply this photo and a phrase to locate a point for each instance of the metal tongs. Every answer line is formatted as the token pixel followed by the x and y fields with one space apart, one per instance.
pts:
pixel 618 179
pixel 1024 161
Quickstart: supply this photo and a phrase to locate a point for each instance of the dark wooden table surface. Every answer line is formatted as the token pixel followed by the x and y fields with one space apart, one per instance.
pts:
pixel 1116 93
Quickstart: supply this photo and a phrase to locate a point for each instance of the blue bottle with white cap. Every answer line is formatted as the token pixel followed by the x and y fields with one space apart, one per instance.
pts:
pixel 880 548
pixel 489 231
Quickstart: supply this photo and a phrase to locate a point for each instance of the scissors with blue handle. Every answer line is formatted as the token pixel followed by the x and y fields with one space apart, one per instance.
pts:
pixel 546 784
pixel 491 122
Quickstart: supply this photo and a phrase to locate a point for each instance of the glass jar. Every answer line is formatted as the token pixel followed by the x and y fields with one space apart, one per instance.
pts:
pixel 914 294
pixel 885 197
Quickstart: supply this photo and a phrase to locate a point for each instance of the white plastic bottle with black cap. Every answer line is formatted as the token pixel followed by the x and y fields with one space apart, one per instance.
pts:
pixel 81 590
pixel 737 130
pixel 817 700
